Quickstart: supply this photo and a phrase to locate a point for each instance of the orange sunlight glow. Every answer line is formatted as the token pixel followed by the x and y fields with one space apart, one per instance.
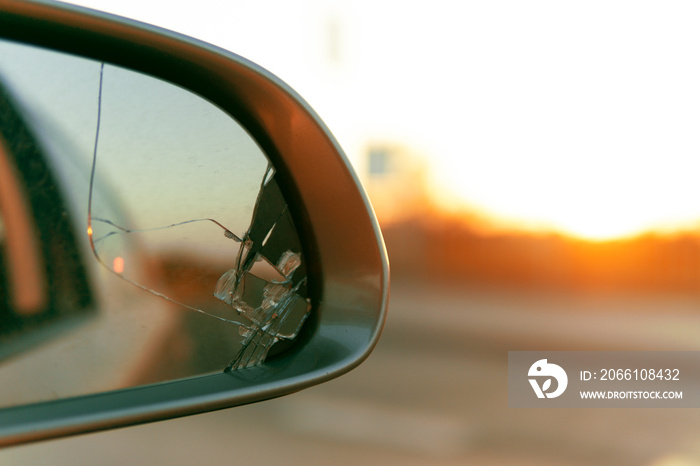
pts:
pixel 579 198
pixel 549 126
pixel 118 264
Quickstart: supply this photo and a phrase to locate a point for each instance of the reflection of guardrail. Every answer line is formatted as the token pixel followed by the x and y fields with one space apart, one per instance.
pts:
pixel 445 251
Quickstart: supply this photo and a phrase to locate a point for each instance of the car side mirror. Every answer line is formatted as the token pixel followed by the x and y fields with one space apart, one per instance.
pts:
pixel 179 231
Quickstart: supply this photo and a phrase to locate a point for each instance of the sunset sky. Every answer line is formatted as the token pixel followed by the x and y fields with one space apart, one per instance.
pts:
pixel 581 118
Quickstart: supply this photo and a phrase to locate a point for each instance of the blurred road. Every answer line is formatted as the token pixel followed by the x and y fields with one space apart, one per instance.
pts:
pixel 435 392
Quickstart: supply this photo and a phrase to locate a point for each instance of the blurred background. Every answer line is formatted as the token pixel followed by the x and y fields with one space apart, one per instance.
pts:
pixel 533 166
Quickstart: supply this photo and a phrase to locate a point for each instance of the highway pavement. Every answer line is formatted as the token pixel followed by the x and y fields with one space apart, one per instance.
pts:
pixel 435 392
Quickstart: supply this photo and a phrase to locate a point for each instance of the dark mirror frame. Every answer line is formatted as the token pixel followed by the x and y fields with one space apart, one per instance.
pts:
pixel 347 265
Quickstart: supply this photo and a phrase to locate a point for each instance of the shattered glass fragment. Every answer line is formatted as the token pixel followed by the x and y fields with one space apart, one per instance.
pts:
pixel 256 279
pixel 277 308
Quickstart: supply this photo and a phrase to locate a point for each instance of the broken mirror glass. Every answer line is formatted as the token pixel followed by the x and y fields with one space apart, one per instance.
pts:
pixel 191 262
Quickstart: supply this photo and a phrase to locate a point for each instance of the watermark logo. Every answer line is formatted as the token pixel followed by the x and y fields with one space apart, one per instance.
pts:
pixel 542 370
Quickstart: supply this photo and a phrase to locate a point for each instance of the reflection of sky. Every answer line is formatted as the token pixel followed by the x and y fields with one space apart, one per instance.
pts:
pixel 164 155
pixel 160 143
pixel 580 115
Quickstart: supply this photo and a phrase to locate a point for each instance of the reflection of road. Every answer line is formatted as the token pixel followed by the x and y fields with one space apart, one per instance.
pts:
pixel 434 392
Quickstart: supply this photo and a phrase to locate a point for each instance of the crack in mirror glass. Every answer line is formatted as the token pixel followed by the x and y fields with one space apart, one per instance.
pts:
pixel 262 288
pixel 163 245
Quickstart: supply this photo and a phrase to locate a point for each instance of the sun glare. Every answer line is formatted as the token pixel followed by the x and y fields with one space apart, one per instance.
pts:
pixel 578 206
pixel 593 135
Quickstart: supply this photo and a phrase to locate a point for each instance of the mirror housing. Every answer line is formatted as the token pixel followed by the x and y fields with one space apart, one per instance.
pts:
pixel 347 265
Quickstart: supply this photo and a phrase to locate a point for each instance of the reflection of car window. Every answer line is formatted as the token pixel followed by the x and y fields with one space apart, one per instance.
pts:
pixel 42 279
pixel 24 290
